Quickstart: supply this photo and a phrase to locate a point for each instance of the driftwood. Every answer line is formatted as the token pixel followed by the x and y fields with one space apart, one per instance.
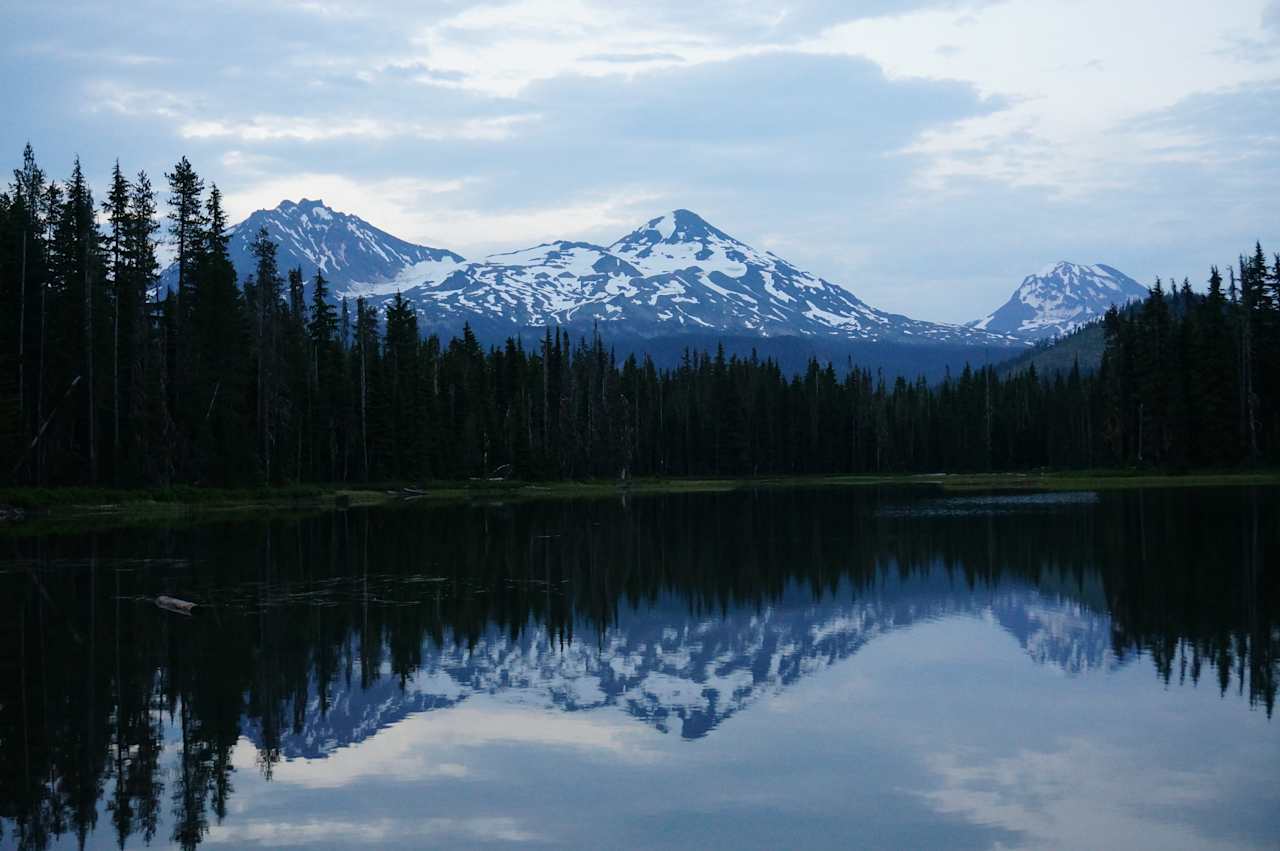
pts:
pixel 173 604
pixel 408 494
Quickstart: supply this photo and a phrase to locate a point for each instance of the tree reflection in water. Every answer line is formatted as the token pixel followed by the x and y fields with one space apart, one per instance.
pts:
pixel 727 594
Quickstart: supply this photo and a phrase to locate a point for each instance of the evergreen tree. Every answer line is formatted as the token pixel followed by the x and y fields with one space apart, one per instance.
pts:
pixel 116 208
pixel 186 222
pixel 219 415
pixel 264 294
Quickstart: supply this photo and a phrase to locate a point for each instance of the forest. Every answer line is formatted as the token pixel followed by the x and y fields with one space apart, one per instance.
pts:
pixel 107 381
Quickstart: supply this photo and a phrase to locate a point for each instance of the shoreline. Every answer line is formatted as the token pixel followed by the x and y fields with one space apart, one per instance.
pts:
pixel 20 506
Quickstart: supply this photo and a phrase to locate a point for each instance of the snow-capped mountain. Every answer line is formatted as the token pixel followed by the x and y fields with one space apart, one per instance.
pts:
pixel 345 248
pixel 674 275
pixel 686 674
pixel 1059 299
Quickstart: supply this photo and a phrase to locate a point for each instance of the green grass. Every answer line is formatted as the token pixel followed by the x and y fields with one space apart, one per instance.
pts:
pixel 179 495
pixel 179 502
pixel 1037 480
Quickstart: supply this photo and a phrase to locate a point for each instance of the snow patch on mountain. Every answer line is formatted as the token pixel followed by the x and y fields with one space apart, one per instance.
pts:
pixel 676 273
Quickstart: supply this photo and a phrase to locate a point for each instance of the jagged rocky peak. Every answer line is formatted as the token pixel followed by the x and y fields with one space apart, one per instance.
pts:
pixel 316 212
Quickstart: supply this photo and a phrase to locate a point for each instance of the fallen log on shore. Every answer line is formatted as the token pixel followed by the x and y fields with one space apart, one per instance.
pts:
pixel 173 604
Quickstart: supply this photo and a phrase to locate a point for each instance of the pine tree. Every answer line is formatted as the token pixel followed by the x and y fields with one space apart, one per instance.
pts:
pixel 365 363
pixel 116 207
pixel 267 309
pixel 78 272
pixel 219 385
pixel 325 378
pixel 28 197
pixel 138 319
pixel 186 221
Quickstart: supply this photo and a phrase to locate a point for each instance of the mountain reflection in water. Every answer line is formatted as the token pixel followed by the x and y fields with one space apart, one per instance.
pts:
pixel 123 723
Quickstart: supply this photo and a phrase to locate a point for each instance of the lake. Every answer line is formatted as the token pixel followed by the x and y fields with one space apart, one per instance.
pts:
pixel 785 668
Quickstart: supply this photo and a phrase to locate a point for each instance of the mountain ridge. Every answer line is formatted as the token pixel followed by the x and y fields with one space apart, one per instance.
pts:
pixel 676 274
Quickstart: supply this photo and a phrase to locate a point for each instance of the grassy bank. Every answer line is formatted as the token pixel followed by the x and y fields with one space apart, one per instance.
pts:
pixel 186 500
pixel 174 500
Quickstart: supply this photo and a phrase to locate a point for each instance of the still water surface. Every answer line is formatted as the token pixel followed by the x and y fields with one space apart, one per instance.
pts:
pixel 769 669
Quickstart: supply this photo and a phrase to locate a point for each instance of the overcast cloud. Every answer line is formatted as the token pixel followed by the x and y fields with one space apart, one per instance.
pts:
pixel 926 155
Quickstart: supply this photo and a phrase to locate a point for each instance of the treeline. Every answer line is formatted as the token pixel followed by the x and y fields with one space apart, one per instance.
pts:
pixel 1192 379
pixel 104 379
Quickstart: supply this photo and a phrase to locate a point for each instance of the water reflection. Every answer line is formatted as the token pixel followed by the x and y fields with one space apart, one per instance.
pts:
pixel 345 648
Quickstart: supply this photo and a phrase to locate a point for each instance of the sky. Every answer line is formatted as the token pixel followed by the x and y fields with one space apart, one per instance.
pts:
pixel 927 155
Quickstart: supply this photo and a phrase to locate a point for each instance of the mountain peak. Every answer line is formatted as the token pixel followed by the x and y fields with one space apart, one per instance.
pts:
pixel 1066 268
pixel 354 255
pixel 678 226
pixel 1061 297
pixel 304 205
pixel 1055 268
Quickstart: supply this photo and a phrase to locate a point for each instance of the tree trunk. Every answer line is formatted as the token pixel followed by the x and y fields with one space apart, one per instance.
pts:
pixel 40 378
pixel 364 422
pixel 88 352
pixel 115 377
pixel 44 425
pixel 22 331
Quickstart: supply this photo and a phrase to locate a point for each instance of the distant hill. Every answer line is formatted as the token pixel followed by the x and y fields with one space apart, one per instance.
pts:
pixel 1083 345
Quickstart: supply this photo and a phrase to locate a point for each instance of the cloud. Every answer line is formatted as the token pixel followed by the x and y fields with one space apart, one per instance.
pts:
pixel 1075 78
pixel 629 58
pixel 1059 799
pixel 500 49
pixel 600 218
pixel 439 212
pixel 63 52
pixel 284 833
pixel 926 153
pixel 437 744
pixel 133 102
pixel 273 128
pixel 392 204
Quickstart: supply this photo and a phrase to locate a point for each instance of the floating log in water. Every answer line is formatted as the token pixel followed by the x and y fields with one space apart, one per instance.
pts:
pixel 173 604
